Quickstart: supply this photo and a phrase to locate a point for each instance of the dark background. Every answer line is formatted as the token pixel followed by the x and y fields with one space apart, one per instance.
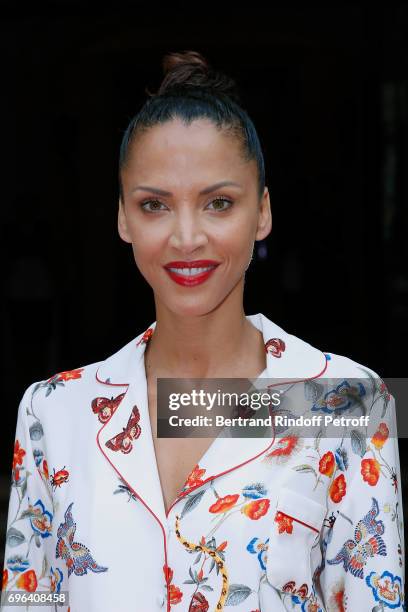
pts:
pixel 328 92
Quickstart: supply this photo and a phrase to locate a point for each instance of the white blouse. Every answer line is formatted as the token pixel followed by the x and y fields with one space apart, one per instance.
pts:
pixel 279 522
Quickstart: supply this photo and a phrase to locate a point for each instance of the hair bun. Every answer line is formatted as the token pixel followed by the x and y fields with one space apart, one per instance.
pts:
pixel 187 70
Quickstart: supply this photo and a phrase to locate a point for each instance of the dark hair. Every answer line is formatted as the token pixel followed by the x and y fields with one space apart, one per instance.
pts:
pixel 192 89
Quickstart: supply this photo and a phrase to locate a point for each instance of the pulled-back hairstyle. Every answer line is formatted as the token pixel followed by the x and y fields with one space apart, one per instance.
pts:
pixel 191 89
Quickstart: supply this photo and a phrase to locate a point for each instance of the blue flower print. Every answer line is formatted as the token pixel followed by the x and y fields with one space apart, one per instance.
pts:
pixel 17 563
pixel 40 519
pixel 386 588
pixel 38 456
pixel 340 398
pixel 260 549
pixel 254 490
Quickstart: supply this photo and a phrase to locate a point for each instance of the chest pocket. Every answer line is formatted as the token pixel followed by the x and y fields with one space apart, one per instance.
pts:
pixel 297 523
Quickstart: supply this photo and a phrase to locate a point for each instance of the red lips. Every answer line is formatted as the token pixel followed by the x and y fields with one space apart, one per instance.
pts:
pixel 197 263
pixel 191 280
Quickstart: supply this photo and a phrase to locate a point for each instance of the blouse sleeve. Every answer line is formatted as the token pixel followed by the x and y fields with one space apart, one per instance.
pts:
pixel 27 570
pixel 363 541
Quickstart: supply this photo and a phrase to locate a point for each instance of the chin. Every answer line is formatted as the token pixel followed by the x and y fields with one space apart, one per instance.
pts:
pixel 191 307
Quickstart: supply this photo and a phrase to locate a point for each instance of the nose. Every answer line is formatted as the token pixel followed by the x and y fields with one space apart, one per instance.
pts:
pixel 187 233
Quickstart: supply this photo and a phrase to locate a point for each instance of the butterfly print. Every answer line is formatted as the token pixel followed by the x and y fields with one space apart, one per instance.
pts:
pixel 123 440
pixel 367 543
pixel 105 407
pixel 77 556
pixel 290 587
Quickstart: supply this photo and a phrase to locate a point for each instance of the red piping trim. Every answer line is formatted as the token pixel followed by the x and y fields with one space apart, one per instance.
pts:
pixel 109 383
pixel 199 485
pixel 221 474
pixel 143 502
pixel 252 458
pixel 301 379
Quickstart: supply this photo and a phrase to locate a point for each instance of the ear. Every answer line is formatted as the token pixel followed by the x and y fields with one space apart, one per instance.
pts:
pixel 122 223
pixel 264 217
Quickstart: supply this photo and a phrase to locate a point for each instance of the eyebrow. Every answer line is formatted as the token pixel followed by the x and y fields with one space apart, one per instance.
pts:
pixel 202 192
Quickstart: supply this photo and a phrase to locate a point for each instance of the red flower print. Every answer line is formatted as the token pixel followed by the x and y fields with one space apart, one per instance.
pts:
pixel 338 488
pixel 275 346
pixel 194 478
pixel 222 546
pixel 198 603
pixel 337 597
pixel 223 503
pixel 18 455
pixel 175 595
pixel 257 508
pixel 68 374
pixel 370 471
pixel 285 522
pixel 381 436
pixel 285 446
pixel 168 574
pixel 5 579
pixel 45 469
pixel 326 464
pixel 27 581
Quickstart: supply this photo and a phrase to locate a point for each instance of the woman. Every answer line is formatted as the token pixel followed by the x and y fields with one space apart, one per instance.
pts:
pixel 121 519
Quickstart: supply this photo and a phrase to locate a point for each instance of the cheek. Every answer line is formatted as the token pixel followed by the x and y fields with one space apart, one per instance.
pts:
pixel 236 238
pixel 148 243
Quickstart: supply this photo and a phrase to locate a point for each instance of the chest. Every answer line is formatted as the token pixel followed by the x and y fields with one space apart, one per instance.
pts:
pixel 176 457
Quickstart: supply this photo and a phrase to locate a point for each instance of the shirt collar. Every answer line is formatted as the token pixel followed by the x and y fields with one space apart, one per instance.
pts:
pixel 287 356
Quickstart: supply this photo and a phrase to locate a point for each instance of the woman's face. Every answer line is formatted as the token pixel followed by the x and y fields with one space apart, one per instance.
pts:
pixel 186 225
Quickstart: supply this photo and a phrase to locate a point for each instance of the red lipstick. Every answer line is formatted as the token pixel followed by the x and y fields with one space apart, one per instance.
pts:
pixel 191 273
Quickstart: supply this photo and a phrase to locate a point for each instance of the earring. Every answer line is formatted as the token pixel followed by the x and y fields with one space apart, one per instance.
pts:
pixel 262 250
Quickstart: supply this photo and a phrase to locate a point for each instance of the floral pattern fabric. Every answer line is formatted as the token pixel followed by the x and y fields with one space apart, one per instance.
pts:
pixel 260 524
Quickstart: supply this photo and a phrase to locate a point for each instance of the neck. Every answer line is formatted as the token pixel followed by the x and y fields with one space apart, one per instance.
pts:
pixel 221 343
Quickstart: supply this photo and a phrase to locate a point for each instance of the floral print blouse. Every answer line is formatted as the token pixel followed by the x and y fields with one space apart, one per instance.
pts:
pixel 262 524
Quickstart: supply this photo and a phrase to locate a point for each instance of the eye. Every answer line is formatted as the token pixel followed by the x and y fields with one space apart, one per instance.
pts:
pixel 156 205
pixel 229 202
pixel 155 208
